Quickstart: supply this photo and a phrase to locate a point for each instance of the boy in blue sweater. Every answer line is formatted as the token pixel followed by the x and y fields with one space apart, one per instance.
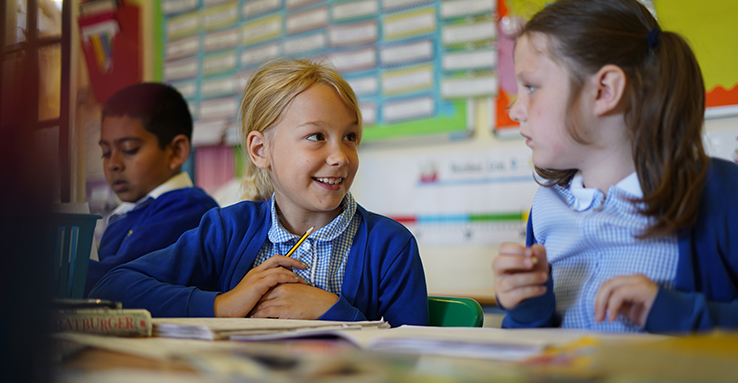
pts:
pixel 302 128
pixel 145 139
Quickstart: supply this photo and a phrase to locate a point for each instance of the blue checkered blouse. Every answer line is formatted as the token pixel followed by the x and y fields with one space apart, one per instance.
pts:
pixel 324 252
pixel 590 238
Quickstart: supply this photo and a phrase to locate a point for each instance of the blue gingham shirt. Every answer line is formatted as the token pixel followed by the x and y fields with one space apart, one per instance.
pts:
pixel 324 252
pixel 590 238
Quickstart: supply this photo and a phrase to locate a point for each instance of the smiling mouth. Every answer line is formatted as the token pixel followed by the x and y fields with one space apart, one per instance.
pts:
pixel 329 181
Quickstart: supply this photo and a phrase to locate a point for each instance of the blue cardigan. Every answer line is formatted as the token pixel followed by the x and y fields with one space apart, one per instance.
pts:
pixel 705 293
pixel 384 275
pixel 144 230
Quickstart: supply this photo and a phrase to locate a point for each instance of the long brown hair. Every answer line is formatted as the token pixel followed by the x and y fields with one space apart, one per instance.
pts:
pixel 665 98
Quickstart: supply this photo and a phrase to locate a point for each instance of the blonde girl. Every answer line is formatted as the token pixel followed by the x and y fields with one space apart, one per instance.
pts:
pixel 302 128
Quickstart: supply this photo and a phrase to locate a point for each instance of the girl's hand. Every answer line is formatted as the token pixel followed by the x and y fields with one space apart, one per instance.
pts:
pixel 238 302
pixel 294 301
pixel 520 273
pixel 629 295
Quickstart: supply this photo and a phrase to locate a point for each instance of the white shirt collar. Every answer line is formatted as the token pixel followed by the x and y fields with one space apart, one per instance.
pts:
pixel 583 196
pixel 179 181
pixel 631 185
pixel 278 234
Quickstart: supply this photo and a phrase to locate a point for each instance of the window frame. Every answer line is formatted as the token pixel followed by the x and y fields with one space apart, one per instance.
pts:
pixel 31 47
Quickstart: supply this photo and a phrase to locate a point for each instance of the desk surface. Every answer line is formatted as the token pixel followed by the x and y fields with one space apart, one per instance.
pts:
pixel 316 361
pixel 93 359
pixel 705 358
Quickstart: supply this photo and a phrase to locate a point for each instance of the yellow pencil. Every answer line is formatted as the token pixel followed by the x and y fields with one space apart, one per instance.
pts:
pixel 300 241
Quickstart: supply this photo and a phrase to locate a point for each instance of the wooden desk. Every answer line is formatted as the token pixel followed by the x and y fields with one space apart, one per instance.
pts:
pixel 93 359
pixel 333 361
pixel 703 358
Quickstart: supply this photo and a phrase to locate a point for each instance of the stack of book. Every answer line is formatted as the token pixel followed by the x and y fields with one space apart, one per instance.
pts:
pixel 100 317
pixel 226 328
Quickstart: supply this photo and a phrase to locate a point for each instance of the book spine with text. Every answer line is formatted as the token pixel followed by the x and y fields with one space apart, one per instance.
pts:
pixel 118 322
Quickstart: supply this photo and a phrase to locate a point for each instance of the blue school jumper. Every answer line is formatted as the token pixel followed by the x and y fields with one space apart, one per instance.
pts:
pixel 705 292
pixel 153 227
pixel 384 276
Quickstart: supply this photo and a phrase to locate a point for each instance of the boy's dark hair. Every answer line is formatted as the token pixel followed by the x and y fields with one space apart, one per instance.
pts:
pixel 161 109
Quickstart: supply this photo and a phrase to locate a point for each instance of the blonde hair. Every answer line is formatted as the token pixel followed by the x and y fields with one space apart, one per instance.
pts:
pixel 269 91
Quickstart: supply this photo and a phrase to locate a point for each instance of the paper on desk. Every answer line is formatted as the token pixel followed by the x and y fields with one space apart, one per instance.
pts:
pixel 468 342
pixel 139 376
pixel 223 328
pixel 153 348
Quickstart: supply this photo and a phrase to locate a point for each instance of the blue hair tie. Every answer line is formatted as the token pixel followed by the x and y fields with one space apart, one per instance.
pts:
pixel 653 37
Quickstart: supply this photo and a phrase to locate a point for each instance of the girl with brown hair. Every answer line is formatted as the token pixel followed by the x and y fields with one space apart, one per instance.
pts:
pixel 631 229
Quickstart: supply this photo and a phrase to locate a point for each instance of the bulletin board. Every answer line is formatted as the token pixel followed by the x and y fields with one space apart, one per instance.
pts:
pixel 414 64
pixel 512 16
pixel 709 26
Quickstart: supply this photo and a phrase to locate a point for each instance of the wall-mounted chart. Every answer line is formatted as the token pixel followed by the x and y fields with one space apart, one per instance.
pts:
pixel 414 64
pixel 480 197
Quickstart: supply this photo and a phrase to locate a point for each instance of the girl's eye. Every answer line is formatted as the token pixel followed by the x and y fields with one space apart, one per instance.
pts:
pixel 106 155
pixel 352 137
pixel 316 137
pixel 530 88
pixel 130 152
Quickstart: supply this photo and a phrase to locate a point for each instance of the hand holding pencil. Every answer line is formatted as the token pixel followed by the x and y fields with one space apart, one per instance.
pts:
pixel 294 300
pixel 259 281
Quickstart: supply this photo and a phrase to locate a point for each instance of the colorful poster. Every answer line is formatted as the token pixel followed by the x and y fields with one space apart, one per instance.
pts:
pixel 478 197
pixel 710 28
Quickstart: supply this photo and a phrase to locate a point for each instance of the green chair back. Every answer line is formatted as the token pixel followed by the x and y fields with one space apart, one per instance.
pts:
pixel 454 312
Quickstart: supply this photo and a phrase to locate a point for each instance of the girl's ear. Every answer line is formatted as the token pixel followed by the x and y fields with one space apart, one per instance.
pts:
pixel 610 84
pixel 256 146
pixel 180 146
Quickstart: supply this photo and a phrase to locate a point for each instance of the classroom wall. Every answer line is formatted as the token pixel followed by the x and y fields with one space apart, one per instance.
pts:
pixel 466 269
pixel 450 269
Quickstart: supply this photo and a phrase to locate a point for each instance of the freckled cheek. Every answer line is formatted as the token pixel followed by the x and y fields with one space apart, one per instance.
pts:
pixel 535 112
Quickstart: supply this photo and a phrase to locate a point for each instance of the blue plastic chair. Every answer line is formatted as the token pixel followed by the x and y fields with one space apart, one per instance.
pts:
pixel 74 234
pixel 455 312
